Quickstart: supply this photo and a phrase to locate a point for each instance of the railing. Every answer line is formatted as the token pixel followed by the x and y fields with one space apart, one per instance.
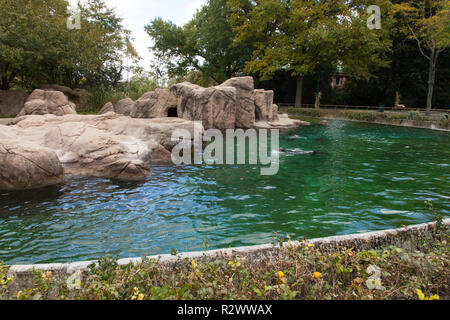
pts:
pixel 334 106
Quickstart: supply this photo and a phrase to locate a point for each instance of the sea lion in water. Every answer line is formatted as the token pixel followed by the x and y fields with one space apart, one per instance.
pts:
pixel 295 137
pixel 299 152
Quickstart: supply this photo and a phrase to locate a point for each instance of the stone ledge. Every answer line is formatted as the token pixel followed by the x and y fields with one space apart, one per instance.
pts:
pixel 370 240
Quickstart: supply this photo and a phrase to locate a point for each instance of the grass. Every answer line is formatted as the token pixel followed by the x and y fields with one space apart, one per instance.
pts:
pixel 304 273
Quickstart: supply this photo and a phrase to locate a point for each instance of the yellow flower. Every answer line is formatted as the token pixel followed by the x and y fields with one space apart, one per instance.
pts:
pixel 280 274
pixel 137 295
pixel 194 264
pixel 47 275
pixel 421 296
pixel 317 275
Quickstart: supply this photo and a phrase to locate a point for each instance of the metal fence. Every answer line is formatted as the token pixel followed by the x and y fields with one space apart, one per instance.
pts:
pixel 334 106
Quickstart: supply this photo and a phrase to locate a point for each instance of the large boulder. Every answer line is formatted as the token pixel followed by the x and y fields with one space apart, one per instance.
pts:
pixel 108 107
pixel 77 96
pixel 124 107
pixel 263 105
pixel 42 102
pixel 275 111
pixel 155 104
pixel 12 102
pixel 245 105
pixel 214 106
pixel 25 165
pixel 108 146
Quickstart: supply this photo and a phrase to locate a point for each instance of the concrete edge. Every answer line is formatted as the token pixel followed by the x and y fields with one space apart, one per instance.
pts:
pixel 429 125
pixel 361 241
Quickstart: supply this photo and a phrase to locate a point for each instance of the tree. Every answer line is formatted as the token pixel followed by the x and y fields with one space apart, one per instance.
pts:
pixel 307 36
pixel 36 46
pixel 428 23
pixel 204 44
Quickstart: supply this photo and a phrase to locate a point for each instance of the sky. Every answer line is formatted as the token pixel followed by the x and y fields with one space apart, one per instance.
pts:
pixel 137 13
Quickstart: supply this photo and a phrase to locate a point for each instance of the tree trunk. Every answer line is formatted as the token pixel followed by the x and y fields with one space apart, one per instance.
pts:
pixel 299 92
pixel 4 85
pixel 431 79
pixel 397 99
pixel 318 97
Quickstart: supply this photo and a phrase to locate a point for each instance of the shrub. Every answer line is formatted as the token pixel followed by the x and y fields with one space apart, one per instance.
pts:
pixel 304 272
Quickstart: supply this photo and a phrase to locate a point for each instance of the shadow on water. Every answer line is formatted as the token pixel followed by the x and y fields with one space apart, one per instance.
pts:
pixel 11 199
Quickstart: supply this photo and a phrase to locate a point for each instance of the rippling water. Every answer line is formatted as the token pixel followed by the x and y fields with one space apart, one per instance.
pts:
pixel 372 177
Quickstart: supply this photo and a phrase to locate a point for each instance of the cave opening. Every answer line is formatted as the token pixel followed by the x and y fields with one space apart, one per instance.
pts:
pixel 258 115
pixel 172 112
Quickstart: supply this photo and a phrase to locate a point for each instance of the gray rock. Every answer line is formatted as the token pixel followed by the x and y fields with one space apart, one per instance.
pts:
pixel 25 166
pixel 214 106
pixel 264 105
pixel 108 145
pixel 245 103
pixel 108 107
pixel 77 96
pixel 124 107
pixel 42 102
pixel 154 104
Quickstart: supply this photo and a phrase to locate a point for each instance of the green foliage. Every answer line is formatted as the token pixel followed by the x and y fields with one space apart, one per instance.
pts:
pixel 36 47
pixel 427 23
pixel 204 45
pixel 300 272
pixel 133 89
pixel 308 36
pixel 4 280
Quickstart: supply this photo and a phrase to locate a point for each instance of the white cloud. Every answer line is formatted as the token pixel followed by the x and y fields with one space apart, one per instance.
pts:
pixel 191 9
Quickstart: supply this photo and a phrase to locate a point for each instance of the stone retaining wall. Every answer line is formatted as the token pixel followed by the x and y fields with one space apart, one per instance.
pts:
pixel 400 123
pixel 23 275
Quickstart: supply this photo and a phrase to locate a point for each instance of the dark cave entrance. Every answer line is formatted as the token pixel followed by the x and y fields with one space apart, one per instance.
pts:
pixel 172 112
pixel 258 115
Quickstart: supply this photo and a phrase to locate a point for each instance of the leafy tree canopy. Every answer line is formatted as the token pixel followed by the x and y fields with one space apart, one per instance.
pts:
pixel 36 46
pixel 204 44
pixel 302 35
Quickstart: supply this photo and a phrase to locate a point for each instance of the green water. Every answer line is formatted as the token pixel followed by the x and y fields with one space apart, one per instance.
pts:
pixel 372 177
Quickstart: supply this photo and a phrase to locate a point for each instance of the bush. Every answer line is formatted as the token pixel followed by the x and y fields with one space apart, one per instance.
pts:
pixel 304 272
pixel 133 89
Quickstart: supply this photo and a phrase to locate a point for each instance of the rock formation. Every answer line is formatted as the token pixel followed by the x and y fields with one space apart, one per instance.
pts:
pixel 245 103
pixel 12 101
pixel 214 106
pixel 265 109
pixel 24 165
pixel 221 107
pixel 155 104
pixel 47 102
pixel 124 107
pixel 233 104
pixel 108 107
pixel 109 146
pixel 76 96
